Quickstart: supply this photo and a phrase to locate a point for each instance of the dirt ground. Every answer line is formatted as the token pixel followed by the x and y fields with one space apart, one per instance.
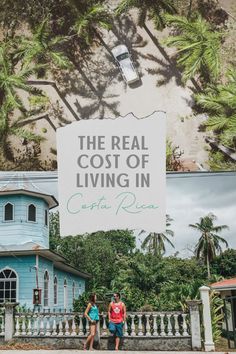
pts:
pixel 95 88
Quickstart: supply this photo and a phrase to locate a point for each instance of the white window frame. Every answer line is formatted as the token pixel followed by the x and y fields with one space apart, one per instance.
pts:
pixel 13 212
pixel 48 283
pixel 73 290
pixel 46 217
pixel 80 289
pixel 55 292
pixel 17 279
pixel 65 293
pixel 28 213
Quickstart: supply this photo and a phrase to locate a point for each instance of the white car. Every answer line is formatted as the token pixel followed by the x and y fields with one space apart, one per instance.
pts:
pixel 123 59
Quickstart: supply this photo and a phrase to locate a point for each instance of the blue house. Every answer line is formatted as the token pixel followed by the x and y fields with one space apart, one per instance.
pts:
pixel 27 266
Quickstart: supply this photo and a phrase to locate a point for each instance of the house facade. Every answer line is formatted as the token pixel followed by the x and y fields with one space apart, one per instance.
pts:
pixel 30 273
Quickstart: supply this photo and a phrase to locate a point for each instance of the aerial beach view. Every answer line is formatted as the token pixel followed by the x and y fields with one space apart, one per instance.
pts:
pixel 101 59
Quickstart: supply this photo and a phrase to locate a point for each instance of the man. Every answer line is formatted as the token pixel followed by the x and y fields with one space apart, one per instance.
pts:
pixel 116 317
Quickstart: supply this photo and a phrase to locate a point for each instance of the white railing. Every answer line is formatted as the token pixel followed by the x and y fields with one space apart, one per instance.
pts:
pixel 153 324
pixel 2 322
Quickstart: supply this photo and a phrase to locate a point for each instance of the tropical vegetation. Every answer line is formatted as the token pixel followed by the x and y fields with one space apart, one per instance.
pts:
pixel 198 47
pixel 154 243
pixel 154 10
pixel 219 101
pixel 147 280
pixel 41 40
pixel 209 244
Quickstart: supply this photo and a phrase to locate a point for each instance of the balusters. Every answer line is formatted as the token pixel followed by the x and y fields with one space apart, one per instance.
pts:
pixel 155 333
pixel 81 327
pixel 48 327
pixel 148 331
pixel 185 332
pixel 67 333
pixel 35 326
pixel 163 333
pixel 104 327
pixel 17 332
pixel 2 326
pixel 132 327
pixel 60 333
pixel 23 327
pixel 140 326
pixel 54 326
pixel 169 325
pixel 64 324
pixel 41 326
pixel 73 327
pixel 29 326
pixel 176 325
pixel 87 326
pixel 126 328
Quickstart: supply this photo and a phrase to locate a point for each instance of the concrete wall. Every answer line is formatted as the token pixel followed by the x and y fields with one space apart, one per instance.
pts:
pixel 128 343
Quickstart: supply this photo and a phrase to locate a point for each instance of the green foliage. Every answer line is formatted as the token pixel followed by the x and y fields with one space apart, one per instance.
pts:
pixel 225 264
pixel 26 134
pixel 92 18
pixel 155 10
pixel 145 280
pixel 11 79
pixel 217 316
pixel 219 101
pixel 155 243
pixel 198 47
pixel 218 162
pixel 42 47
pixel 38 102
pixel 209 244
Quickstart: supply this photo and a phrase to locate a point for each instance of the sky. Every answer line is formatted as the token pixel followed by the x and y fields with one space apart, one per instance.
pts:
pixel 189 197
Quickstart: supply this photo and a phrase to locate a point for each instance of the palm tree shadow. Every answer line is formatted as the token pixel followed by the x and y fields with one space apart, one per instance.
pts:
pixel 169 65
pixel 166 71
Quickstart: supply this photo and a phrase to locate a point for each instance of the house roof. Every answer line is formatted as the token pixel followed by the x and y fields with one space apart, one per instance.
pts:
pixel 59 261
pixel 226 284
pixel 20 184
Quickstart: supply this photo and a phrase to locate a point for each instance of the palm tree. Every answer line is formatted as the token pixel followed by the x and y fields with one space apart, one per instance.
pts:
pixel 219 102
pixel 90 19
pixel 155 243
pixel 43 47
pixel 155 9
pixel 10 80
pixel 209 243
pixel 198 47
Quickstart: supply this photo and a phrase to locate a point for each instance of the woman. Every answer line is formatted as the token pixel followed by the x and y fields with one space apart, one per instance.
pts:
pixel 92 315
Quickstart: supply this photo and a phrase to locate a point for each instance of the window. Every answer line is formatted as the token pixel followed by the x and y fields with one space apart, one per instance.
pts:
pixel 31 213
pixel 46 289
pixel 80 289
pixel 55 290
pixel 46 218
pixel 73 291
pixel 8 212
pixel 65 295
pixel 8 283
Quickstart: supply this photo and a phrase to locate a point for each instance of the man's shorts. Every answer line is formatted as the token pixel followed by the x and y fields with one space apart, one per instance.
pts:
pixel 116 329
